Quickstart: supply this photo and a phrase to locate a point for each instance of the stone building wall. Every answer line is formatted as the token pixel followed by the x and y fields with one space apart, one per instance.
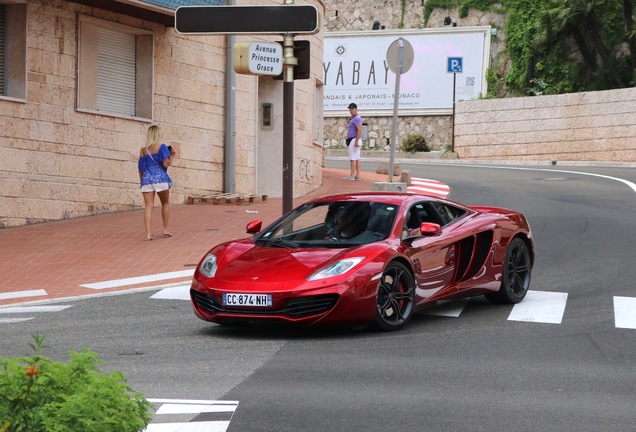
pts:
pixel 60 162
pixel 354 16
pixel 591 126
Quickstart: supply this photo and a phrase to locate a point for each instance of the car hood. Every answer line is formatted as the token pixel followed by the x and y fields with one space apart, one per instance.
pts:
pixel 246 262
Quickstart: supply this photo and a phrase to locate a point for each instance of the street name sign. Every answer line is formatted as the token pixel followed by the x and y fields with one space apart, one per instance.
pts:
pixel 258 58
pixel 247 19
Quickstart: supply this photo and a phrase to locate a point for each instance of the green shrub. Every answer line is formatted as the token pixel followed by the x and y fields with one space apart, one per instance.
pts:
pixel 41 395
pixel 414 142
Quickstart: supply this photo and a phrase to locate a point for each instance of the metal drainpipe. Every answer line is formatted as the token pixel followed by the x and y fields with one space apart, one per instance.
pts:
pixel 229 165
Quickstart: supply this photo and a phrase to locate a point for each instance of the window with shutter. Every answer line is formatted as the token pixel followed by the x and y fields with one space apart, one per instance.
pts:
pixel 115 72
pixel 2 50
pixel 13 51
pixel 115 69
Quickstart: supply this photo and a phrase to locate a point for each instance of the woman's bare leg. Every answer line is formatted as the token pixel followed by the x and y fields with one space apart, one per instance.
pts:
pixel 149 203
pixel 164 196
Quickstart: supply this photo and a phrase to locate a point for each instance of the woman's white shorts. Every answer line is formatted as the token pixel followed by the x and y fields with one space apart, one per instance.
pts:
pixel 354 152
pixel 155 187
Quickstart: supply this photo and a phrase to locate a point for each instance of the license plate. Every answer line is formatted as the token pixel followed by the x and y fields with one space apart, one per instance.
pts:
pixel 247 300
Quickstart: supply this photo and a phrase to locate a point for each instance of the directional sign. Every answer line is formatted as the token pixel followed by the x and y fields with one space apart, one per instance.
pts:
pixel 258 58
pixel 247 19
pixel 454 65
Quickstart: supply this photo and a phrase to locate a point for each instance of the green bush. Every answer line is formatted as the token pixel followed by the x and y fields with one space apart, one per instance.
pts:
pixel 41 395
pixel 414 142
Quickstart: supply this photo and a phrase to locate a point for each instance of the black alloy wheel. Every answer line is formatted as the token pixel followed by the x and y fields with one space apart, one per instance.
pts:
pixel 517 267
pixel 395 298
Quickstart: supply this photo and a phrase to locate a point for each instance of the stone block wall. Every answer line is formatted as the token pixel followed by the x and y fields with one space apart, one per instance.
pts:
pixel 436 129
pixel 59 162
pixel 591 126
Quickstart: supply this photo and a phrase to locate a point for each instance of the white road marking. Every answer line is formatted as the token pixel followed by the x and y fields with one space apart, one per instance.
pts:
pixel 20 294
pixel 232 404
pixel 625 312
pixel 193 409
pixel 181 292
pixel 33 309
pixel 540 307
pixel 207 426
pixel 178 406
pixel 29 310
pixel 631 185
pixel 139 280
pixel 450 309
pixel 13 320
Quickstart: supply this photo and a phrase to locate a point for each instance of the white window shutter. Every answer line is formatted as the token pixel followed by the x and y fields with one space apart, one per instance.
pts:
pixel 116 59
pixel 3 52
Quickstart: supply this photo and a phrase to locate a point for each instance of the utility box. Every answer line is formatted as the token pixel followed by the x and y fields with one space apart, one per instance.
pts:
pixel 365 131
pixel 365 135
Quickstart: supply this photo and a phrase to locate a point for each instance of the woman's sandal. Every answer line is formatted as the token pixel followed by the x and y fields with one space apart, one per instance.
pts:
pixel 168 235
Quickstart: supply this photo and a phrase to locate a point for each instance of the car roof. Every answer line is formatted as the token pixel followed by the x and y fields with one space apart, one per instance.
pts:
pixel 395 198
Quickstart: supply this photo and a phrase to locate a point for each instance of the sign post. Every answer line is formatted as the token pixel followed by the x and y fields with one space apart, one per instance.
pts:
pixel 454 66
pixel 400 57
pixel 287 20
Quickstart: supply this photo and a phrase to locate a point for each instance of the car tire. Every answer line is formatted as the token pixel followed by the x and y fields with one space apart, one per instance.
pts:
pixel 395 298
pixel 515 281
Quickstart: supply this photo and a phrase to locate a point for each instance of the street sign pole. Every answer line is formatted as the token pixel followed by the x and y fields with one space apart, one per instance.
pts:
pixel 454 65
pixel 453 123
pixel 287 20
pixel 289 61
pixel 396 103
pixel 399 57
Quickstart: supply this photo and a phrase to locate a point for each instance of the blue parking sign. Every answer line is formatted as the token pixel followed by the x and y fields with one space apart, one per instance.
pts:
pixel 454 65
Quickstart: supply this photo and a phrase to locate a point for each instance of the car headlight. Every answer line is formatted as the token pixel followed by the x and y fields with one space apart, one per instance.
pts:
pixel 208 266
pixel 336 268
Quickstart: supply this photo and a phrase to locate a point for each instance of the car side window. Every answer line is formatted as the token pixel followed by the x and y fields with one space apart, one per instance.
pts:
pixel 429 211
pixel 447 212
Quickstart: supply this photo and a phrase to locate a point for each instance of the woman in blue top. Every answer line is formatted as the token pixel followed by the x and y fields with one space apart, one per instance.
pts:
pixel 154 160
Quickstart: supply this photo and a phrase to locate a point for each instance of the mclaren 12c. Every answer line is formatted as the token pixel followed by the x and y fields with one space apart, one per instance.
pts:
pixel 372 258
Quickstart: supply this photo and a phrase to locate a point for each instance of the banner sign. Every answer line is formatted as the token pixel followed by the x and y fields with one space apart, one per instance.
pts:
pixel 356 70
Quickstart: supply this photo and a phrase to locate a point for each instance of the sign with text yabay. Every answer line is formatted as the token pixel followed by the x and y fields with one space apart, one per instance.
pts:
pixel 356 70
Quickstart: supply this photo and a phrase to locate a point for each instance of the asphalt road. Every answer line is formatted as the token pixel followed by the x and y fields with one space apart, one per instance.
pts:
pixel 479 371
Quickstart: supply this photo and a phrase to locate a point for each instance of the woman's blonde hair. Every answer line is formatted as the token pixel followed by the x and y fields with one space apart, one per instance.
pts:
pixel 153 135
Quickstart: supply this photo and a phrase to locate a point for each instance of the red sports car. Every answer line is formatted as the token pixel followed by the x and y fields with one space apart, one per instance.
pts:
pixel 372 258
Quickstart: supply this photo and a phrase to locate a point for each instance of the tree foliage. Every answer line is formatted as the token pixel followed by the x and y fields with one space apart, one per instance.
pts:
pixel 559 46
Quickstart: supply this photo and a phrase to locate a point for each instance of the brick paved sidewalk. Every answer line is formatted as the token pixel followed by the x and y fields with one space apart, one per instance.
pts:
pixel 52 260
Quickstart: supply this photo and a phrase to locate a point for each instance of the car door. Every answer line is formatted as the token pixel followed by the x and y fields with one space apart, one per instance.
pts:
pixel 432 257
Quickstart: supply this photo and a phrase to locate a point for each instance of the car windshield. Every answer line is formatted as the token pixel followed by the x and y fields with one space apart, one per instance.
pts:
pixel 335 224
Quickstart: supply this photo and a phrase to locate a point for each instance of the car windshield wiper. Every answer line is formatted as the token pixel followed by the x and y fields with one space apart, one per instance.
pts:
pixel 278 242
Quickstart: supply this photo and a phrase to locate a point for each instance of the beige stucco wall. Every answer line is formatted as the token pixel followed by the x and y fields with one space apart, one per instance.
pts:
pixel 592 126
pixel 60 163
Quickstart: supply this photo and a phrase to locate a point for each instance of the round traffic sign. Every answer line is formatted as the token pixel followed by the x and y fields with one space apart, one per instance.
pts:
pixel 393 55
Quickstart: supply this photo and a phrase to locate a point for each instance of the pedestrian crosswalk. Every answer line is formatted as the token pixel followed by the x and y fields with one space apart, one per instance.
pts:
pixel 183 415
pixel 21 311
pixel 625 312
pixel 538 307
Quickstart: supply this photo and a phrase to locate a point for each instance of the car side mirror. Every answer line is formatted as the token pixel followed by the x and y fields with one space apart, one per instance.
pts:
pixel 254 227
pixel 430 229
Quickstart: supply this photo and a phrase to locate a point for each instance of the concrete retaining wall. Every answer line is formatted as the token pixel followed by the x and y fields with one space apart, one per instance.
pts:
pixel 592 126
